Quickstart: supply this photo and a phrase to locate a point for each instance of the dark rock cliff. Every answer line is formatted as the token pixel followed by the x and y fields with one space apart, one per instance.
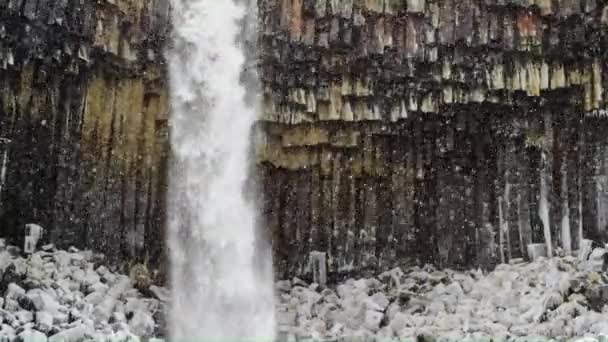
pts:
pixel 440 131
pixel 432 131
pixel 83 107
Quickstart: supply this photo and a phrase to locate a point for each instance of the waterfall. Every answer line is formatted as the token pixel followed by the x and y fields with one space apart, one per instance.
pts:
pixel 221 280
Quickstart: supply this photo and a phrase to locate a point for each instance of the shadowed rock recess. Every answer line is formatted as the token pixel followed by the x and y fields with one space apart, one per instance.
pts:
pixel 83 101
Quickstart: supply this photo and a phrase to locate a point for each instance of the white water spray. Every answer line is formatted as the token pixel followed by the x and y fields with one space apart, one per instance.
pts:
pixel 221 283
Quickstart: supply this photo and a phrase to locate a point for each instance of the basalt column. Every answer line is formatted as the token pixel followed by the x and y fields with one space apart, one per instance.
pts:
pixel 452 132
pixel 83 102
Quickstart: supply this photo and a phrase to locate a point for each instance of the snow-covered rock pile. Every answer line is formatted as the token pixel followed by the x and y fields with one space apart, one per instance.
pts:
pixel 67 296
pixel 558 298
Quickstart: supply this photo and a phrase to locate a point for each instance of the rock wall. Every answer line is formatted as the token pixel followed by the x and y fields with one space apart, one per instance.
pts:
pixel 83 108
pixel 453 132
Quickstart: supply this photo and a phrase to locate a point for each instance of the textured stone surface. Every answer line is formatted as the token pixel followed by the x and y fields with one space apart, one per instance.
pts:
pixel 444 131
pixel 83 101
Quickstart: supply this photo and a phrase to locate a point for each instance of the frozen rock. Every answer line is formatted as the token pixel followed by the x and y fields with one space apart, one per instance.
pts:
pixel 29 335
pixel 142 324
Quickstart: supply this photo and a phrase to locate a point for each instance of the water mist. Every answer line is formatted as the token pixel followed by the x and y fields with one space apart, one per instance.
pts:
pixel 220 280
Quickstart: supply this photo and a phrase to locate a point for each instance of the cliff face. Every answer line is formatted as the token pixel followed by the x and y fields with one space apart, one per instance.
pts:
pixel 454 132
pixel 83 106
pixel 446 131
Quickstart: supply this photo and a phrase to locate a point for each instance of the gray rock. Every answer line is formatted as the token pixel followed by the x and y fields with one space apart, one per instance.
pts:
pixel 537 251
pixel 44 301
pixel 60 318
pixel 104 310
pixel 283 286
pixel 381 300
pixel 585 249
pixel 102 271
pixel 7 333
pixel 142 324
pixel 597 260
pixel 598 297
pixel 118 317
pixel 7 317
pixel 14 291
pixel 30 335
pixel 44 321
pixel 48 247
pixel 24 316
pixel 94 298
pixel 372 320
pixel 74 334
pixel 399 321
pixel 11 305
pixel 160 293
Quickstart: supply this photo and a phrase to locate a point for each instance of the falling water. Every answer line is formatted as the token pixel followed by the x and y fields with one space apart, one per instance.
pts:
pixel 221 279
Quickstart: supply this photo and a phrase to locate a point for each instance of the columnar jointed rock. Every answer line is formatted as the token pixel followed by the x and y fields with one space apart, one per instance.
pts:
pixel 453 132
pixel 83 99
